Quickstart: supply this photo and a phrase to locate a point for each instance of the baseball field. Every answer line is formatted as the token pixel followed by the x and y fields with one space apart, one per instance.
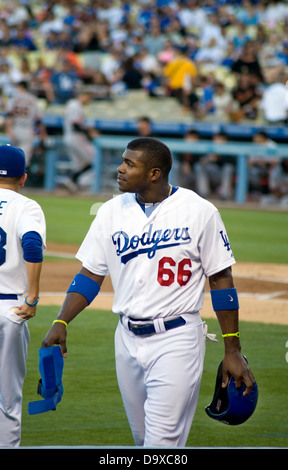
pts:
pixel 91 411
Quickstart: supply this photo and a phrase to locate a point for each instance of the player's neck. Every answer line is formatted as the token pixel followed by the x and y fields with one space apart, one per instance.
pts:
pixel 153 197
pixel 11 186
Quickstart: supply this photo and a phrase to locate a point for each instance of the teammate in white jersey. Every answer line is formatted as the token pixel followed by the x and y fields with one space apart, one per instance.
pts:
pixel 77 137
pixel 23 119
pixel 159 244
pixel 22 240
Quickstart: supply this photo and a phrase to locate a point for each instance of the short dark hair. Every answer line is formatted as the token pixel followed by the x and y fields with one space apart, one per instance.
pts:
pixel 156 154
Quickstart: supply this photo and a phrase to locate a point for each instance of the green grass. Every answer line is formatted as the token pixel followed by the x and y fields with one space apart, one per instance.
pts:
pixel 91 411
pixel 67 218
pixel 255 235
pixel 259 236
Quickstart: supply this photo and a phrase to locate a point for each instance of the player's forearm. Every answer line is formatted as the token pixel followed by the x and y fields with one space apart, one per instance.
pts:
pixel 229 324
pixel 228 319
pixel 33 274
pixel 73 304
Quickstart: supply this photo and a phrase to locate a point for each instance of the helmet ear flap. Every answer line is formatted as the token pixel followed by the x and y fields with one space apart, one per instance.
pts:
pixel 219 402
pixel 229 405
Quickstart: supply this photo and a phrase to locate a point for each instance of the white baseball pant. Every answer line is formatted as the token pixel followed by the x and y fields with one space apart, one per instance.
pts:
pixel 14 340
pixel 159 379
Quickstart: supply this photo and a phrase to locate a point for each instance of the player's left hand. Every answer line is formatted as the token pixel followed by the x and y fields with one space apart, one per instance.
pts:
pixel 25 311
pixel 235 365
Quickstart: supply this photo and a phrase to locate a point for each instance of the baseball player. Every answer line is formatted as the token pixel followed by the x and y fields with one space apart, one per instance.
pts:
pixel 77 137
pixel 22 240
pixel 159 243
pixel 23 117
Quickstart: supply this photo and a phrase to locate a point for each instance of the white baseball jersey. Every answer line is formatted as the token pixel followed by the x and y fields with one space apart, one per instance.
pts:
pixel 158 264
pixel 25 110
pixel 74 114
pixel 18 215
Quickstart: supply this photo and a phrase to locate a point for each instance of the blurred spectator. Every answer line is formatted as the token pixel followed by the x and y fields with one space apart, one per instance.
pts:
pixel 187 162
pixel 5 35
pixel 87 39
pixel 205 105
pixel 210 54
pixel 131 76
pixel 191 15
pixel 9 76
pixel 278 185
pixel 247 97
pixel 64 82
pixel 52 41
pixel 154 40
pixel 23 41
pixel 270 50
pixel 25 70
pixel 241 36
pixel 147 63
pixel 214 173
pixel 259 166
pixel 229 55
pixel 111 64
pixel 14 12
pixel 274 102
pixel 222 102
pixel 248 62
pixel 144 127
pixel 211 30
pixel 40 82
pixel 65 41
pixel 167 53
pixel 180 74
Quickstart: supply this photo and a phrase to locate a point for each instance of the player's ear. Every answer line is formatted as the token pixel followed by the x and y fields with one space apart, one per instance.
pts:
pixel 155 174
pixel 22 180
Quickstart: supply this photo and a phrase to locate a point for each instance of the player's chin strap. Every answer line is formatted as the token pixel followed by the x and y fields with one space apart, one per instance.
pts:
pixel 50 386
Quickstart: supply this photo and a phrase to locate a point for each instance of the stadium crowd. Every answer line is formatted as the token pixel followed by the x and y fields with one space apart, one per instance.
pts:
pixel 225 61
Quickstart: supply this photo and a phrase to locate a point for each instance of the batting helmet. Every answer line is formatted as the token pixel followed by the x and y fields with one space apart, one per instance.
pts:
pixel 229 405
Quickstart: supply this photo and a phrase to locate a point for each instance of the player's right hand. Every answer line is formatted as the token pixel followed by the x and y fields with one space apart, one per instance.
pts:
pixel 56 335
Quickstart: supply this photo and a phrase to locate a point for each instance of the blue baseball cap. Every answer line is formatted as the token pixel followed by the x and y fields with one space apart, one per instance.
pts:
pixel 12 161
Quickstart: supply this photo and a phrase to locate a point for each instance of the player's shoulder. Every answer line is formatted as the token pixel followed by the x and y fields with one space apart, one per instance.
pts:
pixel 25 201
pixel 187 196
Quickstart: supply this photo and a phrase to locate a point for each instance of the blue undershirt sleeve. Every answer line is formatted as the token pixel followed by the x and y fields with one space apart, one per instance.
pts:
pixel 32 247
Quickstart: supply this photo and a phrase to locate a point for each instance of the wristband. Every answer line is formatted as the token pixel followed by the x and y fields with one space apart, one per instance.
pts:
pixel 85 286
pixel 227 335
pixel 60 321
pixel 31 305
pixel 224 299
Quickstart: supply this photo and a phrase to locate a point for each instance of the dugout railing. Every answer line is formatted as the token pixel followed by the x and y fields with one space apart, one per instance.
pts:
pixel 241 151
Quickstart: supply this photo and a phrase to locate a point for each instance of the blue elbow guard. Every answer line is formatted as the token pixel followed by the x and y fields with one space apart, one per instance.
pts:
pixel 224 299
pixel 85 286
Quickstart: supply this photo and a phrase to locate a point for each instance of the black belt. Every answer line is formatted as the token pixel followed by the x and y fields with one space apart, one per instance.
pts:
pixel 8 297
pixel 149 328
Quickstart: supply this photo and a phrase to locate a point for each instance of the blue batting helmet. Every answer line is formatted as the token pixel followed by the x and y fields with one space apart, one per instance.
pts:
pixel 229 405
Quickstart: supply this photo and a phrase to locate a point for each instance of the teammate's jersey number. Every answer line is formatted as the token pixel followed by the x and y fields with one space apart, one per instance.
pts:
pixel 3 241
pixel 167 275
